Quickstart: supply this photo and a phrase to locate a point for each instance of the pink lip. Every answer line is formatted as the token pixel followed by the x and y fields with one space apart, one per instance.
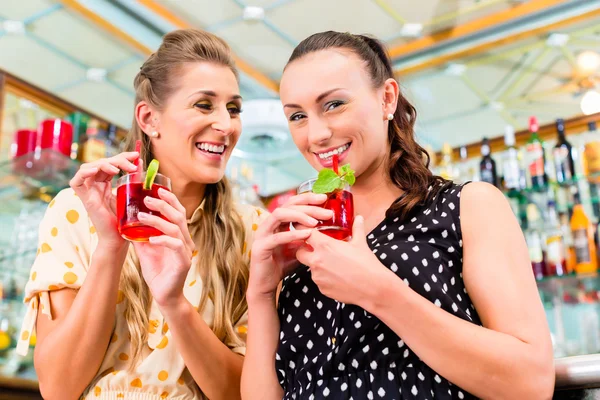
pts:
pixel 329 163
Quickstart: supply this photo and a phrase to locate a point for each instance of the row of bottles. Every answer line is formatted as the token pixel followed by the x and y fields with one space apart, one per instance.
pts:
pixel 533 167
pixel 553 189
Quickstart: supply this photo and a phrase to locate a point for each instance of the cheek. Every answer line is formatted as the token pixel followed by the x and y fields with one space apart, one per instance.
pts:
pixel 300 137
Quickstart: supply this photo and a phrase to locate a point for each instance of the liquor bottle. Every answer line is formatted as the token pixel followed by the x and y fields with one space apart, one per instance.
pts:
pixel 533 236
pixel 591 154
pixel 487 166
pixel 555 245
pixel 536 158
pixel 563 156
pixel 446 166
pixel 510 164
pixel 583 240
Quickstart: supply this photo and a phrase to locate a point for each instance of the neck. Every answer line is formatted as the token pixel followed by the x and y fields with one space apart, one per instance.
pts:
pixel 373 194
pixel 190 195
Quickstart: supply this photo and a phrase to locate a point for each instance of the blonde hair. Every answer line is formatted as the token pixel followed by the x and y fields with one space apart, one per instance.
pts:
pixel 220 229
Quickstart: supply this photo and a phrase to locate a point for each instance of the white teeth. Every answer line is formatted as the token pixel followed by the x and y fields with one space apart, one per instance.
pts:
pixel 211 148
pixel 338 151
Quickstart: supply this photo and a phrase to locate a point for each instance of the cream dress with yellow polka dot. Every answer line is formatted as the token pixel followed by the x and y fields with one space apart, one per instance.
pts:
pixel 67 241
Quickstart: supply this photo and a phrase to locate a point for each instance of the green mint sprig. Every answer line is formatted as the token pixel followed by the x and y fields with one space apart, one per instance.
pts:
pixel 328 181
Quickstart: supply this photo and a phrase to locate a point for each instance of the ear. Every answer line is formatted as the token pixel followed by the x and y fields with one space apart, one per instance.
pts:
pixel 391 91
pixel 146 117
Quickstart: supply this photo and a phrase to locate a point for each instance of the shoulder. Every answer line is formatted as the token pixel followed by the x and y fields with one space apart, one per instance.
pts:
pixel 482 204
pixel 66 204
pixel 477 196
pixel 250 214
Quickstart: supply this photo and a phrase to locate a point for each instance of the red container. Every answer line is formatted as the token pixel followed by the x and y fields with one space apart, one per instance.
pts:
pixel 25 142
pixel 339 227
pixel 130 201
pixel 57 135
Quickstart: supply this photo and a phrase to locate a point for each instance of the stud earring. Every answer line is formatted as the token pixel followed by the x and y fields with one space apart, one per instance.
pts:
pixel 390 117
pixel 154 134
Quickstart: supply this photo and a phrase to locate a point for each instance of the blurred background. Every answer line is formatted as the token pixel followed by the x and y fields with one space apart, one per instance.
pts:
pixel 507 91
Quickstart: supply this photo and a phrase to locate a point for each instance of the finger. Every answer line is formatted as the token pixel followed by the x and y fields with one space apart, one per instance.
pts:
pixel 316 212
pixel 358 229
pixel 317 238
pixel 307 199
pixel 166 227
pixel 171 199
pixel 304 255
pixel 123 163
pixel 81 175
pixel 173 244
pixel 283 238
pixel 284 215
pixel 109 169
pixel 172 214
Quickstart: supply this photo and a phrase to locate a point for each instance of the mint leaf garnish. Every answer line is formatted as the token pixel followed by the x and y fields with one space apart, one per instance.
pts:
pixel 327 181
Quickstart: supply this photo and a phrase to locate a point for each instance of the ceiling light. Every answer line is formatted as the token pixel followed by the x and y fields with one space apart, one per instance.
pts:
pixel 557 39
pixel 253 14
pixel 588 61
pixel 455 69
pixel 590 102
pixel 96 74
pixel 14 27
pixel 411 30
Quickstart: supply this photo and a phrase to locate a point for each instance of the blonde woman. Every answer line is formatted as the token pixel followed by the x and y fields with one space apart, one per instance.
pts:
pixel 167 318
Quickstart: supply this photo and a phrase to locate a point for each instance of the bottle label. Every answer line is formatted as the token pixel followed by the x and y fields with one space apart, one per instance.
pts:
pixel 487 176
pixel 592 157
pixel 561 164
pixel 536 253
pixel 536 159
pixel 581 245
pixel 511 174
pixel 554 250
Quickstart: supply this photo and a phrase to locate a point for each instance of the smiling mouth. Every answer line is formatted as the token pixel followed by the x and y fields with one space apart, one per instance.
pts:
pixel 328 155
pixel 211 148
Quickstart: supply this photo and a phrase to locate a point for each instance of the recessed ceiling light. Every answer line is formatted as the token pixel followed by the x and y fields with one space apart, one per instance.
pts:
pixel 96 74
pixel 590 103
pixel 588 61
pixel 411 30
pixel 557 39
pixel 253 14
pixel 14 27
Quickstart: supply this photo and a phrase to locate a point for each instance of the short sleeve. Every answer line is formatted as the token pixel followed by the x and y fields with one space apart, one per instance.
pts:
pixel 62 259
pixel 252 218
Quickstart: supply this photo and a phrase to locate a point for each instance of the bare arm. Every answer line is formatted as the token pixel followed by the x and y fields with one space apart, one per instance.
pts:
pixel 259 379
pixel 74 342
pixel 511 356
pixel 214 367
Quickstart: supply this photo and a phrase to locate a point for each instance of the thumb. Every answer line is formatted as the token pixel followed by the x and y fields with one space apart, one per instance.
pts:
pixel 358 229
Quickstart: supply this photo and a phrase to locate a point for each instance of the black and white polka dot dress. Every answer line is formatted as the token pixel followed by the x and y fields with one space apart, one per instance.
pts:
pixel 330 350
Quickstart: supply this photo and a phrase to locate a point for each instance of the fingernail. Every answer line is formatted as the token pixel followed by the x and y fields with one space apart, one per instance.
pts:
pixel 162 191
pixel 142 215
pixel 148 199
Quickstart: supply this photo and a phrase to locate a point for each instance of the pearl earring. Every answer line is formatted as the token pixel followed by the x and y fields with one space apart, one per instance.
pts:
pixel 390 117
pixel 154 134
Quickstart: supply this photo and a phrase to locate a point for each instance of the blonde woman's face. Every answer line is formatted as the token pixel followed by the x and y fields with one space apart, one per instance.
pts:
pixel 200 123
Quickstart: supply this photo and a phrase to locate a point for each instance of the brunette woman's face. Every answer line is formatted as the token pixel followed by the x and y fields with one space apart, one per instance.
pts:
pixel 333 108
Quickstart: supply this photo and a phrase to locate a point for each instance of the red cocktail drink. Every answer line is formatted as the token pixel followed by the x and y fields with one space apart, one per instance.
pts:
pixel 341 203
pixel 130 201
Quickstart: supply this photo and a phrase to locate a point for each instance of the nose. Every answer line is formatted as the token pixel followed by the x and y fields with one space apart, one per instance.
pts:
pixel 222 121
pixel 318 131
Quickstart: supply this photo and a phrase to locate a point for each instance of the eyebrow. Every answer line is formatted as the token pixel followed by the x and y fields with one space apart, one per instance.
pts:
pixel 211 93
pixel 318 100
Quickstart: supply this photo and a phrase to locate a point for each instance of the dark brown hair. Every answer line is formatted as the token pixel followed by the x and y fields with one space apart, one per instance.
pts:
pixel 408 162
